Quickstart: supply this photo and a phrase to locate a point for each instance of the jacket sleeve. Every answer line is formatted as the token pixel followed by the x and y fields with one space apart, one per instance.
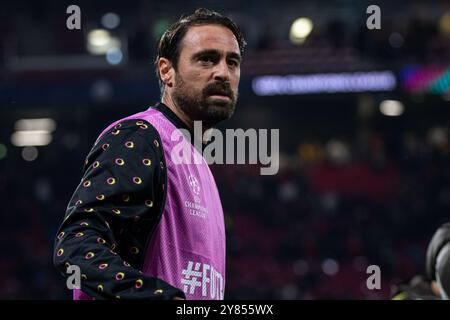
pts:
pixel 112 214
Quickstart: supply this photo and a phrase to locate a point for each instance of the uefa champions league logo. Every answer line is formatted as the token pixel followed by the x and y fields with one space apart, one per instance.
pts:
pixel 194 184
pixel 195 208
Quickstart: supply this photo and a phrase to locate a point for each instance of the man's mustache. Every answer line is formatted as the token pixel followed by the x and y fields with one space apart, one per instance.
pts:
pixel 219 88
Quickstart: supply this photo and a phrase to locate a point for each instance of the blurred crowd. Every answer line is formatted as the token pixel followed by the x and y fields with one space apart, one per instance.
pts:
pixel 339 41
pixel 308 232
pixel 312 230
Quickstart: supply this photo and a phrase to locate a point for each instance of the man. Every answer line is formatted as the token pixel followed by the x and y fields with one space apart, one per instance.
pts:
pixel 140 226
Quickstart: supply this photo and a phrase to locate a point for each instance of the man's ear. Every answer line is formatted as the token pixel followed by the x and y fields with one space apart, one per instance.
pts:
pixel 166 71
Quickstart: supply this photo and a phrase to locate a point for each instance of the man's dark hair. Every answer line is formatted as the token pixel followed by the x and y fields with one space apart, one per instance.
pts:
pixel 169 46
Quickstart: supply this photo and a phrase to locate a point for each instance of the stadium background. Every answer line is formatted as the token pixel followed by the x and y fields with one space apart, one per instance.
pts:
pixel 364 169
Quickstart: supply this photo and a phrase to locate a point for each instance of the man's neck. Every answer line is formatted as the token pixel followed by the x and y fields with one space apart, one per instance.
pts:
pixel 168 101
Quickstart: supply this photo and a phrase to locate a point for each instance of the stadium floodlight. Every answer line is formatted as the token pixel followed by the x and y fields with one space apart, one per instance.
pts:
pixel 43 124
pixel 391 108
pixel 300 30
pixel 31 138
pixel 99 41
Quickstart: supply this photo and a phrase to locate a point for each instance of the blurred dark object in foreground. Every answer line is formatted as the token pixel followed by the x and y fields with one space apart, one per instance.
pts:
pixel 418 288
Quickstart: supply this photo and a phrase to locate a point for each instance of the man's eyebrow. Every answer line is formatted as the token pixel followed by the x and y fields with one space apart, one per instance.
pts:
pixel 232 55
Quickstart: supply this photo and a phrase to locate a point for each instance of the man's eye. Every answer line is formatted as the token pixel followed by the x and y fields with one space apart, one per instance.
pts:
pixel 233 63
pixel 206 59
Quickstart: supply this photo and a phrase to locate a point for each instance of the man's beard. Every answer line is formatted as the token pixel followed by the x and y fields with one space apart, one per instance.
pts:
pixel 198 106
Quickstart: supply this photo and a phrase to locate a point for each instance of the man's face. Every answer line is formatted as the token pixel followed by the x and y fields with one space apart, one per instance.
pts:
pixel 207 77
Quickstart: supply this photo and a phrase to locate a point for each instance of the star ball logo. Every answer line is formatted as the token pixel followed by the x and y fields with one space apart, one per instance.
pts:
pixel 195 208
pixel 194 184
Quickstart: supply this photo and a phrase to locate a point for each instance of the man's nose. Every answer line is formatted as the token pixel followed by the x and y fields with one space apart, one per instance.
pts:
pixel 222 71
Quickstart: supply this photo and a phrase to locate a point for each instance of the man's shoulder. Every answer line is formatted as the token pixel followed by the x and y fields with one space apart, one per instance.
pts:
pixel 129 130
pixel 132 134
pixel 136 124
